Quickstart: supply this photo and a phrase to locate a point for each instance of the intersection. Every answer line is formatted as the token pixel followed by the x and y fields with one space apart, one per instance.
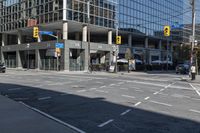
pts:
pixel 109 103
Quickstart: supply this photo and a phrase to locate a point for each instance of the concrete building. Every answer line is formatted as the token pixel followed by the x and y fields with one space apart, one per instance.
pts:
pixel 136 20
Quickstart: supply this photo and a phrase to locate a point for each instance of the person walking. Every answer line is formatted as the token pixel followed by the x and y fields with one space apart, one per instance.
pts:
pixel 193 72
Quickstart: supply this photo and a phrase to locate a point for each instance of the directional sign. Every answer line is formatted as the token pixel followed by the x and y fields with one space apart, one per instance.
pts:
pixel 46 32
pixel 167 30
pixel 59 45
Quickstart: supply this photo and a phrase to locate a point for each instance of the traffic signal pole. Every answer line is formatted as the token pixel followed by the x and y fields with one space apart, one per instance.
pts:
pixel 116 52
pixel 193 32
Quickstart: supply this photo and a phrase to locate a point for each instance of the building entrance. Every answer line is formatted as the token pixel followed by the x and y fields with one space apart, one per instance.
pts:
pixel 76 59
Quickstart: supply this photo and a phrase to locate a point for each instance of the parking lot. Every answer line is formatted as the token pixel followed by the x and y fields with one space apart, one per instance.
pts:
pixel 109 103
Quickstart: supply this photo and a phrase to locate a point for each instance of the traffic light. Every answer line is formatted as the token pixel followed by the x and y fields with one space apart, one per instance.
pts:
pixel 58 51
pixel 167 31
pixel 35 32
pixel 118 40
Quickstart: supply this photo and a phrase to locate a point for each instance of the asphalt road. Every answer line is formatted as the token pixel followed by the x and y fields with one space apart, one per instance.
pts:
pixel 103 103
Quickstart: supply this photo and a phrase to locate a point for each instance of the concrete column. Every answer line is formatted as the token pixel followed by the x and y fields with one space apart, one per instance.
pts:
pixel 110 37
pixel 130 40
pixel 77 36
pixel 65 30
pixel 160 48
pixel 37 59
pixel 18 60
pixel 86 57
pixel 171 47
pixel 146 42
pixel 147 58
pixel 84 34
pixel 4 39
pixel 66 54
pixel 19 37
pixel 65 10
pixel 2 56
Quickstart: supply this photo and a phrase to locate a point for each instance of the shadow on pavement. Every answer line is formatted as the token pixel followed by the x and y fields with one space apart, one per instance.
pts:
pixel 87 113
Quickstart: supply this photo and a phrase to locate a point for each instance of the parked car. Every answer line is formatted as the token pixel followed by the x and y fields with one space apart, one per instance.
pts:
pixel 2 68
pixel 182 69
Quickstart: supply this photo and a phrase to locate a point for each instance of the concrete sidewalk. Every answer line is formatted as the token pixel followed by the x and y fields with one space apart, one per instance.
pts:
pixel 18 118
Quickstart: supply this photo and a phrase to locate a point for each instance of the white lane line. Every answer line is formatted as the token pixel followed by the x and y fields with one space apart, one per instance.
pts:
pixel 99 82
pixel 195 89
pixel 53 118
pixel 165 104
pixel 20 99
pixel 120 83
pixel 125 112
pixel 195 111
pixel 127 96
pixel 44 98
pixel 101 91
pixel 156 93
pixel 162 90
pixel 139 90
pixel 14 89
pixel 195 99
pixel 64 94
pixel 170 85
pixel 79 91
pixel 92 89
pixel 123 88
pixel 136 88
pixel 146 98
pixel 106 123
pixel 111 84
pixel 102 87
pixel 138 103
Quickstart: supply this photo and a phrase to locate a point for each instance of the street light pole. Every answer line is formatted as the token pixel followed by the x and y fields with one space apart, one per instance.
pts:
pixel 193 31
pixel 28 45
pixel 116 48
pixel 88 28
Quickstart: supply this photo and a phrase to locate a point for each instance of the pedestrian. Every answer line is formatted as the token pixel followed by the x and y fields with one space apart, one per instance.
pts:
pixel 193 72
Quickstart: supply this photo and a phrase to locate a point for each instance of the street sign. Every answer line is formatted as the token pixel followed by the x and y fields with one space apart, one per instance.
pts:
pixel 166 30
pixel 35 32
pixel 177 26
pixel 59 45
pixel 46 33
pixel 118 40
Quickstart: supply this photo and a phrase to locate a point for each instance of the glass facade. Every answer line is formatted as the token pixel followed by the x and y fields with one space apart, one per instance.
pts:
pixel 102 12
pixel 143 17
pixel 148 17
pixel 15 14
